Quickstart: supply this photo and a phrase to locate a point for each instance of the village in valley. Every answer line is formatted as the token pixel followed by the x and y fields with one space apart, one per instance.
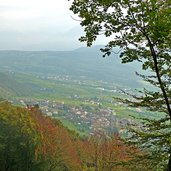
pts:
pixel 89 117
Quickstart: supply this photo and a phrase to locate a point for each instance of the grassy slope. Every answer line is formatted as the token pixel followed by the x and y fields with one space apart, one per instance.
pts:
pixel 9 86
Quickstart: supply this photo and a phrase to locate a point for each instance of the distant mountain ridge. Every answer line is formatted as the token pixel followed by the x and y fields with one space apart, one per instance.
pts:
pixel 87 62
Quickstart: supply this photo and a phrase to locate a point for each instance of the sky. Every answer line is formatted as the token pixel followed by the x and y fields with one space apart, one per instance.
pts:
pixel 39 25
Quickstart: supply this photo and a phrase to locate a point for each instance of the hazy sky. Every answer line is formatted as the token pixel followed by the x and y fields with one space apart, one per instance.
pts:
pixel 38 25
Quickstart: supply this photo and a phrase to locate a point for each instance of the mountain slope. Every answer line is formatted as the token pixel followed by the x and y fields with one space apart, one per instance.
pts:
pixel 10 87
pixel 87 62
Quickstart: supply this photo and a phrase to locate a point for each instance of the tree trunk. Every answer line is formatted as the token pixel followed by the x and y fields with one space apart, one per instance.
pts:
pixel 169 163
pixel 156 69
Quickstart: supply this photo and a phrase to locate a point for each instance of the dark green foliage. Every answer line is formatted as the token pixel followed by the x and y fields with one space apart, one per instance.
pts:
pixel 18 139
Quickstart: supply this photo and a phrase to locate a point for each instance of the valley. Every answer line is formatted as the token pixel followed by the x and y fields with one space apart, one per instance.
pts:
pixel 80 95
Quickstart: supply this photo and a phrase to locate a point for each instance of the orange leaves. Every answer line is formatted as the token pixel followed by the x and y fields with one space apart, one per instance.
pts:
pixel 56 145
pixel 102 153
pixel 27 135
pixel 46 130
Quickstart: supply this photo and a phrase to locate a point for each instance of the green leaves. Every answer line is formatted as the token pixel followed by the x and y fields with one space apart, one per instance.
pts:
pixel 142 30
pixel 31 141
pixel 18 138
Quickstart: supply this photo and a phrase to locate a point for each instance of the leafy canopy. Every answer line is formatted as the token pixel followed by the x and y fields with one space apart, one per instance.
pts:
pixel 142 30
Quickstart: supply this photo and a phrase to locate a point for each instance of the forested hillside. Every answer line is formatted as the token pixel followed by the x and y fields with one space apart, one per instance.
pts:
pixel 30 141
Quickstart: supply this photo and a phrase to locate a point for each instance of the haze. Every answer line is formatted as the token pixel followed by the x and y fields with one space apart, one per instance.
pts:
pixel 38 25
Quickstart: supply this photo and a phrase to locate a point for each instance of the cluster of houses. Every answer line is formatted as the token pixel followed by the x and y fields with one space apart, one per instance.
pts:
pixel 85 117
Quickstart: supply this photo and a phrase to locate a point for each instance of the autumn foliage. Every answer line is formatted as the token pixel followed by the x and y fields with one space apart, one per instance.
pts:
pixel 30 141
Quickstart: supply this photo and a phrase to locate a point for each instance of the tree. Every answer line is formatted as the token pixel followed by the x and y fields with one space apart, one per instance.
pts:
pixel 30 141
pixel 142 30
pixel 99 153
pixel 57 149
pixel 18 139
